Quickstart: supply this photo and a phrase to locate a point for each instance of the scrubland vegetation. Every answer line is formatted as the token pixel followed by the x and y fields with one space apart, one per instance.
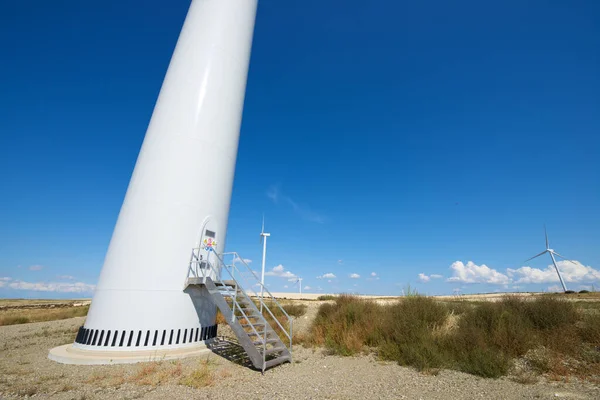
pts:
pixel 488 339
pixel 23 316
pixel 326 297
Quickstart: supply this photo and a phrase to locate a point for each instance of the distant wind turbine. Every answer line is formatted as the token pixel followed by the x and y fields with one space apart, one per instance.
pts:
pixel 299 282
pixel 263 239
pixel 552 254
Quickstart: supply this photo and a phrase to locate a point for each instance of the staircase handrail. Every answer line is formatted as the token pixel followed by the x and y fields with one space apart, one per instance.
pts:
pixel 231 274
pixel 263 287
pixel 265 290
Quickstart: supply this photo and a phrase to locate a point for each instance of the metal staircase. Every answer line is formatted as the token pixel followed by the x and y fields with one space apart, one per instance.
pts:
pixel 248 311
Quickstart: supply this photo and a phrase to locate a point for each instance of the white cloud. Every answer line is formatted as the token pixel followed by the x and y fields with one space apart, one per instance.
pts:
pixel 275 194
pixel 340 262
pixel 573 272
pixel 237 259
pixel 328 275
pixel 426 278
pixel 67 277
pixel 4 281
pixel 307 287
pixel 62 287
pixel 36 267
pixel 280 272
pixel 373 277
pixel 285 286
pixel 354 276
pixel 555 288
pixel 473 273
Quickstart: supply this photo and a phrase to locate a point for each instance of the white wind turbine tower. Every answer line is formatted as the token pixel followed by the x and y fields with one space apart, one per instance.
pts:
pixel 263 238
pixel 552 254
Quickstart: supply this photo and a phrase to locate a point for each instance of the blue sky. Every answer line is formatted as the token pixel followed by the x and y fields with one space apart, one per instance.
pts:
pixel 395 138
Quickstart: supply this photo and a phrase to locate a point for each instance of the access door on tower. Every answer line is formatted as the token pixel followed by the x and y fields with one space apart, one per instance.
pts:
pixel 208 248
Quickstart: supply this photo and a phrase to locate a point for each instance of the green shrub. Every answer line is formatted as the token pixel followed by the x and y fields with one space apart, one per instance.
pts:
pixel 326 297
pixel 480 339
pixel 550 313
pixel 483 362
pixel 590 329
pixel 295 310
pixel 458 307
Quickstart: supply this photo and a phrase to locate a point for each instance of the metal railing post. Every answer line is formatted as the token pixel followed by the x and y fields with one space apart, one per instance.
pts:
pixel 264 353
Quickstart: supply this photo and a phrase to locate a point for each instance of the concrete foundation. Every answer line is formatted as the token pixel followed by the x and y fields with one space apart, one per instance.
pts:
pixel 67 354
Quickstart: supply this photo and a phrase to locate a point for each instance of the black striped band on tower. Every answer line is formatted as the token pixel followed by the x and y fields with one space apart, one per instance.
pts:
pixel 90 337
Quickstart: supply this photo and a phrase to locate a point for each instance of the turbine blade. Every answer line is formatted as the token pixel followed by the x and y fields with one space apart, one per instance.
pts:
pixel 564 258
pixel 536 256
pixel 546 234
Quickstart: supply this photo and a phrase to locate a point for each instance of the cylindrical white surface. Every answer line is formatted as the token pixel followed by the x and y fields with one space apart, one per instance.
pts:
pixel 182 181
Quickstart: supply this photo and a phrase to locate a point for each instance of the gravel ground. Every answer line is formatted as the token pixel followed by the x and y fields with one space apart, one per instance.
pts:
pixel 26 371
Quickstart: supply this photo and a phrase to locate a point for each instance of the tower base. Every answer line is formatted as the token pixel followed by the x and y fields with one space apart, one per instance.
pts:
pixel 67 354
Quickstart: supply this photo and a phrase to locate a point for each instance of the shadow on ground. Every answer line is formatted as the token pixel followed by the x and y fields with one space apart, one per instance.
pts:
pixel 230 350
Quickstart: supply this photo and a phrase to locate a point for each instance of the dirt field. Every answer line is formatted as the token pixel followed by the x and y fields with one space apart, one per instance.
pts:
pixel 26 371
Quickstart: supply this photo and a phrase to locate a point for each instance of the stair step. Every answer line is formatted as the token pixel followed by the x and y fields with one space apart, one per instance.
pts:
pixel 242 303
pixel 273 350
pixel 252 325
pixel 249 315
pixel 260 333
pixel 238 298
pixel 277 361
pixel 225 283
pixel 269 341
pixel 229 295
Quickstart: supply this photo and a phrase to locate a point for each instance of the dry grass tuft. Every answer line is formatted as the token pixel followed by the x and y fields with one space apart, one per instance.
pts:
pixel 295 310
pixel 200 377
pixel 96 377
pixel 525 378
pixel 221 318
pixel 155 373
pixel 66 388
pixel 27 391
